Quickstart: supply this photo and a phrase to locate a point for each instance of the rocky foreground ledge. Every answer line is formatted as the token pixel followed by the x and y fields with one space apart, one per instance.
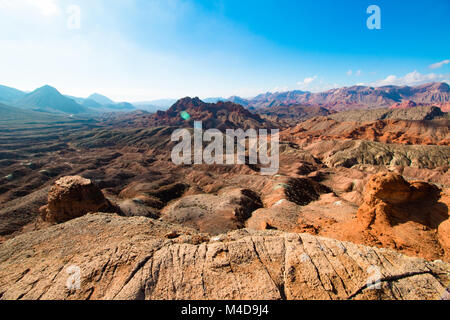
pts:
pixel 140 258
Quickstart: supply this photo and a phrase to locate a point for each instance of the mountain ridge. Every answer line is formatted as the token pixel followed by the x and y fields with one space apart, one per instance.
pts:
pixel 9 94
pixel 47 99
pixel 221 115
pixel 356 97
pixel 101 99
pixel 345 98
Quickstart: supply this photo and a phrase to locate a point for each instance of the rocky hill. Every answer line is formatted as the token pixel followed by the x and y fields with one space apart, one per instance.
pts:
pixel 292 114
pixel 407 104
pixel 416 113
pixel 349 153
pixel 387 131
pixel 358 97
pixel 220 115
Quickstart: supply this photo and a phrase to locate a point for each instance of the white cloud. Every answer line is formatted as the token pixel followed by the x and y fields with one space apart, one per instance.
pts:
pixel 356 73
pixel 439 64
pixel 388 81
pixel 45 7
pixel 317 85
pixel 412 78
pixel 307 81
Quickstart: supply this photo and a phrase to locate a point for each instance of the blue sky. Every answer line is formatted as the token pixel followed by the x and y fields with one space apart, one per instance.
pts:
pixel 139 50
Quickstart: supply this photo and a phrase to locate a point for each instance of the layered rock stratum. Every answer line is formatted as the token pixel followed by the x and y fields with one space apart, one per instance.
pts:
pixel 135 258
pixel 387 131
pixel 357 97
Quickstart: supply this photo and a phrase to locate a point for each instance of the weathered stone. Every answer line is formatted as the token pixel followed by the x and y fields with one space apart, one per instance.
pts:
pixel 130 258
pixel 72 197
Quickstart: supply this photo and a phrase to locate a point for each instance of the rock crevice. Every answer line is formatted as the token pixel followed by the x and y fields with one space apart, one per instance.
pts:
pixel 140 263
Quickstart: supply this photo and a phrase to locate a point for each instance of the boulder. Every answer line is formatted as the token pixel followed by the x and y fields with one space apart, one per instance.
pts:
pixel 72 197
pixel 390 199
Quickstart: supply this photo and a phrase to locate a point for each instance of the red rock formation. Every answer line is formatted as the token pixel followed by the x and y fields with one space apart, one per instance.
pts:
pixel 445 107
pixel 444 236
pixel 386 131
pixel 72 197
pixel 358 97
pixel 407 104
pixel 411 217
pixel 387 197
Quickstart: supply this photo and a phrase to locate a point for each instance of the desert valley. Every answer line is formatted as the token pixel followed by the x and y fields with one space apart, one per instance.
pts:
pixel 362 192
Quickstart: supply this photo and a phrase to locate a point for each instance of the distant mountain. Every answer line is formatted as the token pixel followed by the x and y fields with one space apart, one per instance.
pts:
pixel 153 106
pixel 238 100
pixel 292 114
pixel 89 103
pixel 220 115
pixel 357 97
pixel 122 106
pixel 407 104
pixel 415 113
pixel 279 98
pixel 48 99
pixel 76 99
pixel 150 108
pixel 95 104
pixel 164 104
pixel 9 95
pixel 214 100
pixel 101 99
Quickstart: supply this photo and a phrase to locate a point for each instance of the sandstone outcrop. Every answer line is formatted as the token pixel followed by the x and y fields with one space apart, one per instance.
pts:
pixel 292 114
pixel 411 217
pixel 389 199
pixel 131 258
pixel 347 153
pixel 433 132
pixel 213 214
pixel 418 113
pixel 407 104
pixel 72 197
pixel 283 199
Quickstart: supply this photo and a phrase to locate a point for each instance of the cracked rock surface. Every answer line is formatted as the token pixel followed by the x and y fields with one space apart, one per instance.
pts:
pixel 133 258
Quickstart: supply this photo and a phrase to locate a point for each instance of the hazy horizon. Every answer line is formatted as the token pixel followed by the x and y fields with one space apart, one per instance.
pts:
pixel 149 50
pixel 170 100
